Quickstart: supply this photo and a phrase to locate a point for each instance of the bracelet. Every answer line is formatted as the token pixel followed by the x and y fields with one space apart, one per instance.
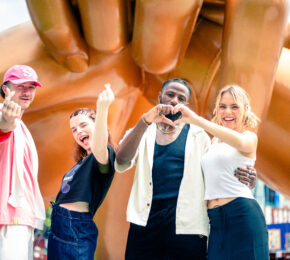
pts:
pixel 145 122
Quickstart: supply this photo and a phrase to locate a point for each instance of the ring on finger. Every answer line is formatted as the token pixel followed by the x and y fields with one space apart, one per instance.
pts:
pixel 250 172
pixel 160 113
pixel 5 104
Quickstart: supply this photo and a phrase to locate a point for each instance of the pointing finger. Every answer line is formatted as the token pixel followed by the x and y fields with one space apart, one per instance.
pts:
pixel 18 111
pixel 106 94
pixel 107 86
pixel 13 107
pixel 109 90
pixel 9 95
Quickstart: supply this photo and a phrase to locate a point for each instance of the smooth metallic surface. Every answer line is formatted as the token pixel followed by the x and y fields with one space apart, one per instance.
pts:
pixel 105 23
pixel 162 31
pixel 252 43
pixel 60 33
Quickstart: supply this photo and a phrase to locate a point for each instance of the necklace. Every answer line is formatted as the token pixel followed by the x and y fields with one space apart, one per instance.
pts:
pixel 164 131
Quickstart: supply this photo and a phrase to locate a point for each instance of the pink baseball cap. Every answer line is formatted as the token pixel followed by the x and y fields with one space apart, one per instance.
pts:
pixel 19 74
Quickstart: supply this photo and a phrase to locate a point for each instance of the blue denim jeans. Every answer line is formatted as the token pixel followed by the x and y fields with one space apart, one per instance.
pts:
pixel 73 235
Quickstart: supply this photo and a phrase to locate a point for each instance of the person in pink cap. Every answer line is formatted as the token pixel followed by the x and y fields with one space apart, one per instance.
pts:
pixel 21 204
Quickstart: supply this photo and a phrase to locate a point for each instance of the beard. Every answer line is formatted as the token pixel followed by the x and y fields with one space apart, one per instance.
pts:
pixel 170 116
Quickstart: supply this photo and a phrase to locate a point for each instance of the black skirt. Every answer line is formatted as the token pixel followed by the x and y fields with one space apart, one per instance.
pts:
pixel 238 231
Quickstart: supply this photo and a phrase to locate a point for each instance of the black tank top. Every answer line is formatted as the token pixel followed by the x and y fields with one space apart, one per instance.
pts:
pixel 168 167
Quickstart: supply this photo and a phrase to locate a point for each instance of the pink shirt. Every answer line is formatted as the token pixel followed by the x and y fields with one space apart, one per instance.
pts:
pixel 20 198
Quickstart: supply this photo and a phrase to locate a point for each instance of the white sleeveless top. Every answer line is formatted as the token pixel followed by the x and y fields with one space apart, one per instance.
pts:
pixel 218 166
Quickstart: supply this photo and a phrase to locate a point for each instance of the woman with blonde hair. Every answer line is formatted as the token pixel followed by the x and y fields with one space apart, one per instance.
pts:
pixel 237 224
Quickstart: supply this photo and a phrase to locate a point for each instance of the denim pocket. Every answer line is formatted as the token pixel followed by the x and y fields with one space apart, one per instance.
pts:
pixel 85 229
pixel 62 230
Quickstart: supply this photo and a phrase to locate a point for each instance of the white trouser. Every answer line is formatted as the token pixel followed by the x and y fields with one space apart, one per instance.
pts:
pixel 16 242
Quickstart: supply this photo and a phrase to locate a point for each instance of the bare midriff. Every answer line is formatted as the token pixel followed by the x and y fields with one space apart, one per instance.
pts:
pixel 218 202
pixel 78 206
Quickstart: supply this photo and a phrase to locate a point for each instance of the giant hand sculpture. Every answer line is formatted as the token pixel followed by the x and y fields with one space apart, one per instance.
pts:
pixel 135 45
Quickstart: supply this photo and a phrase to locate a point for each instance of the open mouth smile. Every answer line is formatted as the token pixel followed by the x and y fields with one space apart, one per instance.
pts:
pixel 84 138
pixel 228 119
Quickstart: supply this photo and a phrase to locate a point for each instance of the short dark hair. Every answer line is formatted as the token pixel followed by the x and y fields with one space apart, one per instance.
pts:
pixel 181 81
pixel 2 91
pixel 8 83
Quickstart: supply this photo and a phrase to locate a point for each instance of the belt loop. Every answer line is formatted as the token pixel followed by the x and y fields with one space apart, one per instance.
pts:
pixel 53 212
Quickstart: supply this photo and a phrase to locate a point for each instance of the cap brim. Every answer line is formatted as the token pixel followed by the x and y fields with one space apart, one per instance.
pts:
pixel 20 81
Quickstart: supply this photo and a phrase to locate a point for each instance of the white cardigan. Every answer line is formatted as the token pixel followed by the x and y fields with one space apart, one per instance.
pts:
pixel 191 211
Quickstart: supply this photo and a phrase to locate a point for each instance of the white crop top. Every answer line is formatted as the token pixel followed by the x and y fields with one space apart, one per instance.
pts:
pixel 218 166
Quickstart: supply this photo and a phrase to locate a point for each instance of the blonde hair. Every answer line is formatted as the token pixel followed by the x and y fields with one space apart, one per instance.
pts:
pixel 241 97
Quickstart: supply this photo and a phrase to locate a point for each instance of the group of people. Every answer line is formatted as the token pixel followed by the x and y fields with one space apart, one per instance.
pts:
pixel 187 188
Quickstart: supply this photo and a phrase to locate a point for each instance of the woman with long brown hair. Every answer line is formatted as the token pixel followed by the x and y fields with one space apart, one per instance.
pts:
pixel 73 233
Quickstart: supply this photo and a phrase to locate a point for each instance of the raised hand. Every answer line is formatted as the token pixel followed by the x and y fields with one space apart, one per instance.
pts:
pixel 106 97
pixel 10 111
pixel 157 114
pixel 99 140
pixel 187 115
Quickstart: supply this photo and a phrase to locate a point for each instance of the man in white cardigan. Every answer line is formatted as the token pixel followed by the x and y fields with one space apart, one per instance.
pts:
pixel 166 209
pixel 21 203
